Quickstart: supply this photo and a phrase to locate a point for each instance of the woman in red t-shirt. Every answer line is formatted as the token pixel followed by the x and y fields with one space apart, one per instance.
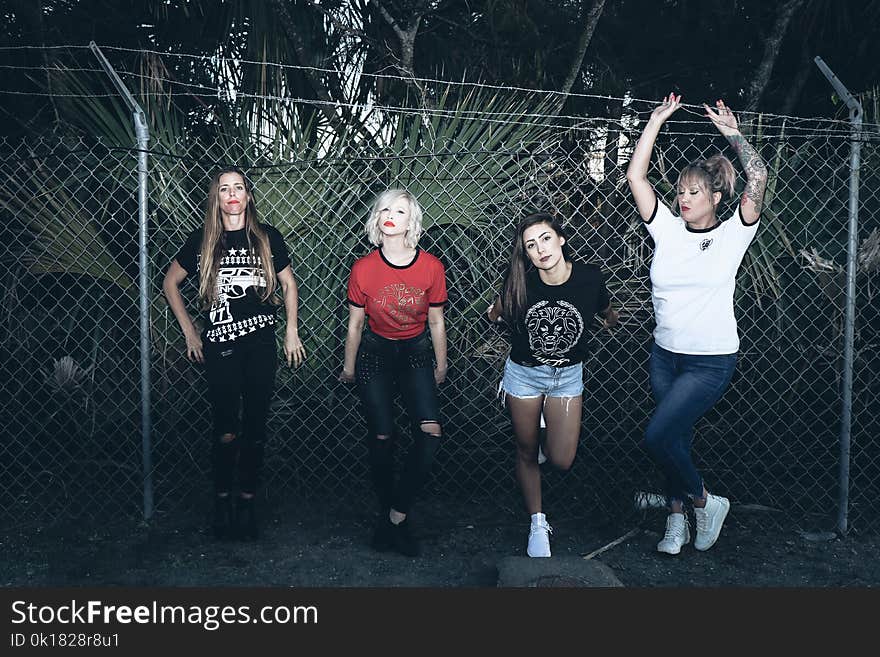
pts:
pixel 400 290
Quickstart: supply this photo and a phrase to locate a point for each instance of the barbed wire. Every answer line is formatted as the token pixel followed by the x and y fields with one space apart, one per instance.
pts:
pixel 50 68
pixel 218 92
pixel 308 162
pixel 578 122
pixel 11 92
pixel 476 85
pixel 44 47
pixel 286 165
pixel 628 100
pixel 626 123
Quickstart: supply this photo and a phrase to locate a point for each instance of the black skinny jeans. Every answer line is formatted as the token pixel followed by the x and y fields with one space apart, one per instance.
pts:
pixel 241 375
pixel 383 368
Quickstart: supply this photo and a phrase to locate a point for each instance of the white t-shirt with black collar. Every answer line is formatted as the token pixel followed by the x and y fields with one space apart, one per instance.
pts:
pixel 693 276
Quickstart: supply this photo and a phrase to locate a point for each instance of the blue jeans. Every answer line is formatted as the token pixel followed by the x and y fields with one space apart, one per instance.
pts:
pixel 685 387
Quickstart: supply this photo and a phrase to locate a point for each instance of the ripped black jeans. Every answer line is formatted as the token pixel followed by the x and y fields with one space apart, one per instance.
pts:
pixel 383 369
pixel 241 375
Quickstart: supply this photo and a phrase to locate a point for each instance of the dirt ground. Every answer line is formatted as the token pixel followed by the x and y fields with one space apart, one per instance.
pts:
pixel 305 546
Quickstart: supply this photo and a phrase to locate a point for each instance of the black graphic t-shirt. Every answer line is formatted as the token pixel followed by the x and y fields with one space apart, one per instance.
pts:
pixel 555 330
pixel 238 310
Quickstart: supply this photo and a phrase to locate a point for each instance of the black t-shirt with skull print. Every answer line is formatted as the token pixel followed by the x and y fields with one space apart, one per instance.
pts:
pixel 555 329
pixel 238 311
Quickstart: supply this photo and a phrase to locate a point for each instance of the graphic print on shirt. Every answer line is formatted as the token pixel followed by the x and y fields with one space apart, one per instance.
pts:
pixel 401 301
pixel 553 330
pixel 705 244
pixel 238 271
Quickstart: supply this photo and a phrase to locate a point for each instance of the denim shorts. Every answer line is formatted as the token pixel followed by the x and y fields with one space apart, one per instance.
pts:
pixel 542 380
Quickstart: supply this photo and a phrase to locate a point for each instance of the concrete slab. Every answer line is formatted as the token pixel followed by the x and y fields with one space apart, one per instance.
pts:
pixel 571 572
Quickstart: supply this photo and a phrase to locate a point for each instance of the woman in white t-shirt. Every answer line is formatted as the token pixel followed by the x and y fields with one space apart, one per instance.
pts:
pixel 693 275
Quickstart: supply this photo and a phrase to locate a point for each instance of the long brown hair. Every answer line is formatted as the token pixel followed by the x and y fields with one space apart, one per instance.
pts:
pixel 214 241
pixel 513 300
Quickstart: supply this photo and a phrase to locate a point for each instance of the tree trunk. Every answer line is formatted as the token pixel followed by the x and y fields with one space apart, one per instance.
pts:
pixel 32 14
pixel 771 51
pixel 797 84
pixel 406 35
pixel 609 201
pixel 321 91
pixel 592 19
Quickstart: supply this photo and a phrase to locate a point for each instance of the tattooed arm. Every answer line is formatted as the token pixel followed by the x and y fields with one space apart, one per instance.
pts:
pixel 756 172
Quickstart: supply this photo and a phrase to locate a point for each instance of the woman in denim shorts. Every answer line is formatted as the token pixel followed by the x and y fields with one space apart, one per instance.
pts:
pixel 548 302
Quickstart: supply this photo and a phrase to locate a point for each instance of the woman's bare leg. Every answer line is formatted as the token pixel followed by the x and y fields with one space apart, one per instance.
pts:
pixel 563 418
pixel 525 413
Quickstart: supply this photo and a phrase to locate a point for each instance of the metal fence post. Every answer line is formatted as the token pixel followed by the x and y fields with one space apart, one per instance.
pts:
pixel 855 115
pixel 143 139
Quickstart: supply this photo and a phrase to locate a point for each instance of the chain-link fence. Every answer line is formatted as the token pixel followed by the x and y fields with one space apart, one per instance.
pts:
pixel 70 374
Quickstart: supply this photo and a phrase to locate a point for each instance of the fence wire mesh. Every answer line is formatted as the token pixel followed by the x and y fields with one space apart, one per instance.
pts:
pixel 70 372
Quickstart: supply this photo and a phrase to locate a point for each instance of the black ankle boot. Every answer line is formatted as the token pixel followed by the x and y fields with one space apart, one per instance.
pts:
pixel 383 535
pixel 246 519
pixel 404 541
pixel 223 521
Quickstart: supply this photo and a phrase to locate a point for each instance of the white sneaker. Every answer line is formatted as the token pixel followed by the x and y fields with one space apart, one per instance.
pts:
pixel 678 533
pixel 644 500
pixel 539 536
pixel 709 521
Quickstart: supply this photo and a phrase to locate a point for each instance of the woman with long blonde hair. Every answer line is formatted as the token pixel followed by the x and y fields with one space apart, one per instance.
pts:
pixel 241 263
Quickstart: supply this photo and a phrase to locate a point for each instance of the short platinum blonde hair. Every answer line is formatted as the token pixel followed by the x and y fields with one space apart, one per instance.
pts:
pixel 374 234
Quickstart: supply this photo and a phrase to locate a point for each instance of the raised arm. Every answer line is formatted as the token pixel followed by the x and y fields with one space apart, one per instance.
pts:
pixel 756 171
pixel 171 287
pixel 637 171
pixel 294 352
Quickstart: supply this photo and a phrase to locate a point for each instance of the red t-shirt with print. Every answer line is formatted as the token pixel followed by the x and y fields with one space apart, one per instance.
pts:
pixel 396 298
